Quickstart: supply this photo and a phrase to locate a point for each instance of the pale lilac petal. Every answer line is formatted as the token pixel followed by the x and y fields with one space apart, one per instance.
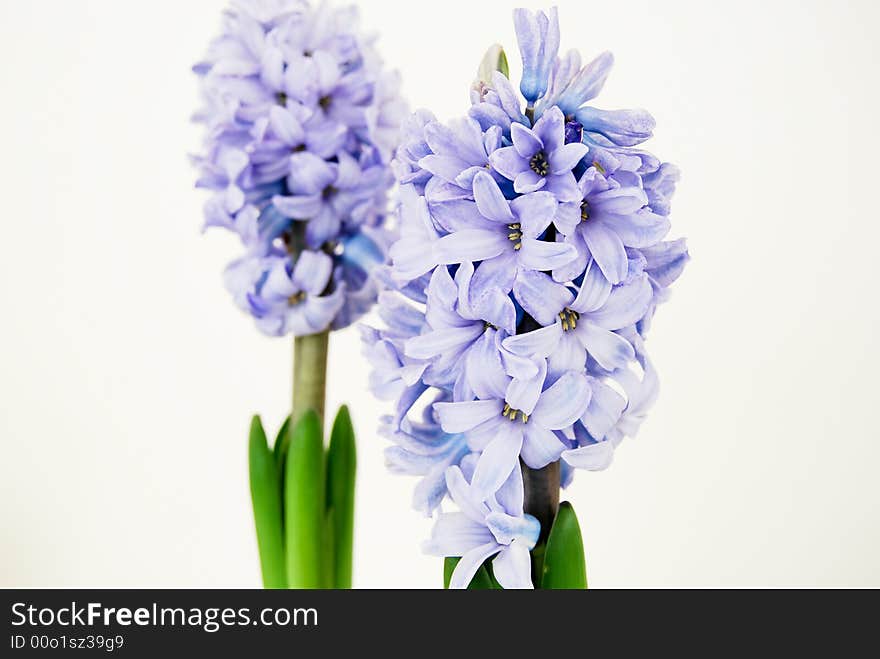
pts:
pixel 470 245
pixel 550 128
pixel 490 201
pixel 523 395
pixel 496 464
pixel 625 306
pixel 541 446
pixel 455 534
pixel 539 343
pixel 301 207
pixel 309 174
pixel 312 272
pixel 544 256
pixel 507 162
pixel 469 564
pixel 604 411
pixel 513 568
pixel 461 417
pixel 484 369
pixel 510 496
pixel 498 273
pixel 528 181
pixel 541 297
pixel 441 341
pixel 534 212
pixel 607 250
pixel 566 158
pixel 463 496
pixel 563 403
pixel 610 350
pixel 285 126
pixel 643 229
pixel 596 457
pixel 526 143
pixel 497 309
pixel 594 292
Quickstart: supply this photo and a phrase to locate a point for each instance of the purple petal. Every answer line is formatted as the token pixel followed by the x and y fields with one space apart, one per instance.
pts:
pixel 496 464
pixel 534 212
pixel 541 297
pixel 539 343
pixel 469 564
pixel 526 143
pixel 513 568
pixel 595 457
pixel 541 446
pixel 625 306
pixel 490 201
pixel 550 128
pixel 607 250
pixel 566 158
pixel 507 162
pixel 485 372
pixel 441 341
pixel 523 395
pixel 498 273
pixel 309 174
pixel 461 417
pixel 312 272
pixel 470 245
pixel 528 181
pixel 644 229
pixel 610 350
pixel 563 403
pixel 543 256
pixel 594 292
pixel 604 409
pixel 455 534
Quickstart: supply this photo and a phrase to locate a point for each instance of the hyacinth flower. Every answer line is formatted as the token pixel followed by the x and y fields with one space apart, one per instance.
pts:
pixel 301 120
pixel 532 258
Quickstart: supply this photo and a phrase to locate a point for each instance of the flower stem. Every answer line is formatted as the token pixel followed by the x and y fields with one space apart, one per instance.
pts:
pixel 542 502
pixel 309 375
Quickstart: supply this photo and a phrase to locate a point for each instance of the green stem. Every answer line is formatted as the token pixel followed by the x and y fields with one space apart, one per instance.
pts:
pixel 310 375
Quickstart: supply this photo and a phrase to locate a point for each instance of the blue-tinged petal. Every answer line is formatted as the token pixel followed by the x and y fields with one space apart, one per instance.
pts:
pixel 587 84
pixel 511 495
pixel 567 157
pixel 538 343
pixel 513 568
pixel 617 201
pixel 534 212
pixel 285 126
pixel 607 250
pixel 459 215
pixel 595 291
pixel 563 403
pixel 550 128
pixel 470 245
pixel 564 187
pixel 604 410
pixel 507 529
pixel 610 350
pixel 567 218
pixel 569 355
pixel 490 200
pixel 640 230
pixel 541 446
pixel 323 228
pixel 497 309
pixel 461 417
pixel 665 262
pixel 300 207
pixel 496 464
pixel 455 534
pixel 526 143
pixel 469 564
pixel 312 272
pixel 625 306
pixel 441 341
pixel 498 273
pixel 446 167
pixel 523 395
pixel 463 495
pixel 595 457
pixel 484 369
pixel 309 174
pixel 541 256
pixel 528 181
pixel 541 297
pixel 507 162
pixel 622 127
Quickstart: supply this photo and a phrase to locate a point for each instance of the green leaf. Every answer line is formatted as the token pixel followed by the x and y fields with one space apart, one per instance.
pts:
pixel 304 504
pixel 266 497
pixel 503 65
pixel 483 579
pixel 565 567
pixel 282 441
pixel 341 470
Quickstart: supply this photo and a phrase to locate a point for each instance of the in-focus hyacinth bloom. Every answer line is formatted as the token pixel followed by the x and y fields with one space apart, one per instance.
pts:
pixel 533 254
pixel 301 121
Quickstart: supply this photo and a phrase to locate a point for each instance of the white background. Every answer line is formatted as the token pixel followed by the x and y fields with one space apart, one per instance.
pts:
pixel 128 377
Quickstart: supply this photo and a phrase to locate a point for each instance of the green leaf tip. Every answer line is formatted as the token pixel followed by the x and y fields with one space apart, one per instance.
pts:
pixel 564 566
pixel 304 499
pixel 266 498
pixel 341 476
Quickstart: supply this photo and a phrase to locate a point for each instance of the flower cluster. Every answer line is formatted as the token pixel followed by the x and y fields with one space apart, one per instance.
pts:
pixel 301 121
pixel 532 257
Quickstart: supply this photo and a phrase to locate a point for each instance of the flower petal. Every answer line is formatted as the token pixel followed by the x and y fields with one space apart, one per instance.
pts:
pixel 490 201
pixel 541 297
pixel 611 350
pixel 469 564
pixel 507 162
pixel 541 446
pixel 595 457
pixel 513 568
pixel 607 250
pixel 496 464
pixel 563 403
pixel 461 417
pixel 470 245
pixel 526 143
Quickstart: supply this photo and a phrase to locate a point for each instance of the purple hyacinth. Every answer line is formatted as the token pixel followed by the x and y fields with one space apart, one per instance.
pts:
pixel 301 121
pixel 532 258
